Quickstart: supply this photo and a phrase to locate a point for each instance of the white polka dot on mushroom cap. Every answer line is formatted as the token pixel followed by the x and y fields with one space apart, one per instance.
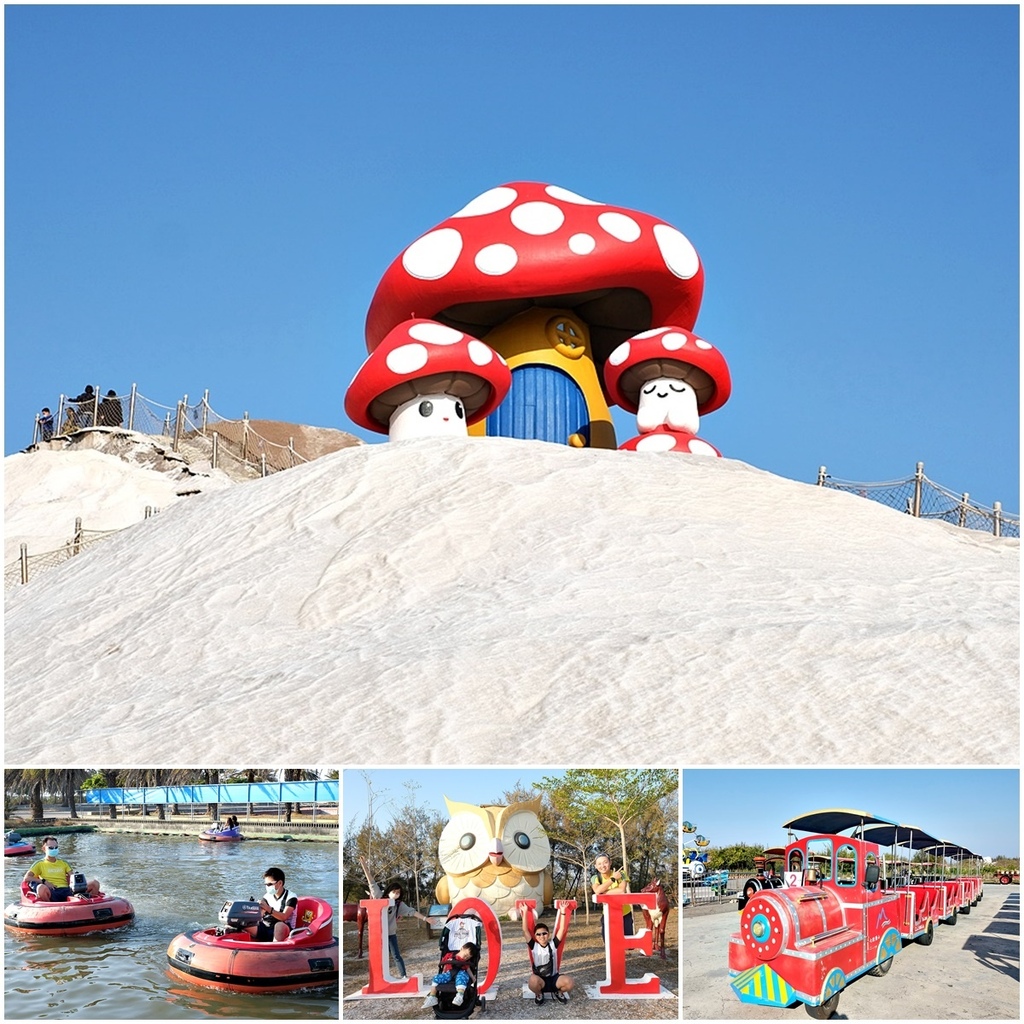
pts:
pixel 673 341
pixel 406 359
pixel 620 354
pixel 537 218
pixel 491 201
pixel 649 334
pixel 433 255
pixel 619 226
pixel 701 343
pixel 496 259
pixel 480 353
pixel 435 334
pixel 557 192
pixel 699 447
pixel 656 443
pixel 582 244
pixel 676 250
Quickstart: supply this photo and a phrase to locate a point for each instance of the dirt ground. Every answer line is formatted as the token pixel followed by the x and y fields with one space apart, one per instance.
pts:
pixel 583 962
pixel 971 971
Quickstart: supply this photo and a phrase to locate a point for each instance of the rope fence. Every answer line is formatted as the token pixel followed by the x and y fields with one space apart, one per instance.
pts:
pixel 924 499
pixel 26 566
pixel 194 428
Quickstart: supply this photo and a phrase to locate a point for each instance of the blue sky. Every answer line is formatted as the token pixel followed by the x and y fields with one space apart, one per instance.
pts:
pixel 205 197
pixel 467 785
pixel 978 808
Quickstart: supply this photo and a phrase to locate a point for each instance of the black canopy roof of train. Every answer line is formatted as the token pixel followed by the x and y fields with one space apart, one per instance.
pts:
pixel 901 835
pixel 834 820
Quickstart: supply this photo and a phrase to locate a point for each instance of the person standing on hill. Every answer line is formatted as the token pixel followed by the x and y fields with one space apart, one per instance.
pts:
pixel 110 412
pixel 45 424
pixel 83 405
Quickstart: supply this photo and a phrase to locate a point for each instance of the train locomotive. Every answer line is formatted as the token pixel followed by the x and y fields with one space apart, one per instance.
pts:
pixel 834 915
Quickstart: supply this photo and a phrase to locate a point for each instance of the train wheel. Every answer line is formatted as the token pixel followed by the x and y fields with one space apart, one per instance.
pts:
pixel 1004 879
pixel 825 1010
pixel 751 886
pixel 883 968
pixel 966 908
pixel 951 919
pixel 926 939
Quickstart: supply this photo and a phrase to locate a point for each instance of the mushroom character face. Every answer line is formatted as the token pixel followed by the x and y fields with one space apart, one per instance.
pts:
pixel 669 401
pixel 528 244
pixel 667 352
pixel 423 363
pixel 436 415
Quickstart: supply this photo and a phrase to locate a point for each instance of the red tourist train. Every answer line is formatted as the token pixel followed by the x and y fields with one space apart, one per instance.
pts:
pixel 843 909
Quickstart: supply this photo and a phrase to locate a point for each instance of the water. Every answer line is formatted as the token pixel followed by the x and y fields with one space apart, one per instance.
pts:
pixel 175 884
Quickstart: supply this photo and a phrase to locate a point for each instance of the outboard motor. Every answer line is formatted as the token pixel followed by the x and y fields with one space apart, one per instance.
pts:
pixel 240 914
pixel 79 883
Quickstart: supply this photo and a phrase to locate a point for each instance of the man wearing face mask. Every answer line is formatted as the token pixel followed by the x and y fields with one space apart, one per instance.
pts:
pixel 278 906
pixel 396 909
pixel 49 878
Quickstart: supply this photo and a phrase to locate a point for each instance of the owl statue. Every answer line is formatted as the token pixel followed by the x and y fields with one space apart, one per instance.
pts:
pixel 500 854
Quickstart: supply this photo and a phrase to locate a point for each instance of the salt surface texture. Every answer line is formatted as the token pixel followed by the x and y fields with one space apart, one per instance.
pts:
pixel 466 601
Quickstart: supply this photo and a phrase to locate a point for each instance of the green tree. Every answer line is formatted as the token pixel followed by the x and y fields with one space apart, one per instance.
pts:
pixel 618 797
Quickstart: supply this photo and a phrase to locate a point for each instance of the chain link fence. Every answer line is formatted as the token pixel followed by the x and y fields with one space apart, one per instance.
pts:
pixel 27 566
pixel 918 496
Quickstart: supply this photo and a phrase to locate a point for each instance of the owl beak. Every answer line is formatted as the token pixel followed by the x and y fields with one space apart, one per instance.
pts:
pixel 496 851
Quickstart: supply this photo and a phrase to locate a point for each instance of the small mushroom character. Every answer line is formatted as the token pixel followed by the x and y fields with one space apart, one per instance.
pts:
pixel 669 377
pixel 426 379
pixel 559 280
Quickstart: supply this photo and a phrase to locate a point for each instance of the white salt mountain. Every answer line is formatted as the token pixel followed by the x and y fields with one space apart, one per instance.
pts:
pixel 494 601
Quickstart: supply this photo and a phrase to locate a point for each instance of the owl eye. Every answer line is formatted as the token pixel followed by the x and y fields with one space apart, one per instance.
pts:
pixel 526 843
pixel 426 408
pixel 458 410
pixel 463 843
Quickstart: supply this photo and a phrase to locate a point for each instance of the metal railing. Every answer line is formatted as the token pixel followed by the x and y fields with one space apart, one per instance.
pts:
pixel 924 499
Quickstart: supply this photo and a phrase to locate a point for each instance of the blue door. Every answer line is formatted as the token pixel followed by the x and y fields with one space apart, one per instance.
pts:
pixel 543 404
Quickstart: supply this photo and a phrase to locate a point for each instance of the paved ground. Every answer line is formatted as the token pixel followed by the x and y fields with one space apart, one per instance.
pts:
pixel 584 962
pixel 970 971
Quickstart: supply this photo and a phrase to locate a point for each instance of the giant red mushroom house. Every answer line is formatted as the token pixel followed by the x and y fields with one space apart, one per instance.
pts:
pixel 554 282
